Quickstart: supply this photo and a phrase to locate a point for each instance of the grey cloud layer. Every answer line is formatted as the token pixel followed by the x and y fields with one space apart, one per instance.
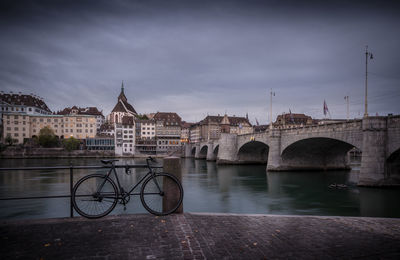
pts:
pixel 197 57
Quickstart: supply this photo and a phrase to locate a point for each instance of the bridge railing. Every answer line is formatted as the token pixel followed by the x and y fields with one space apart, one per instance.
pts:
pixel 71 169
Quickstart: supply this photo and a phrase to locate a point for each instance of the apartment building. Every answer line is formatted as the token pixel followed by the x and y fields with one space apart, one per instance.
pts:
pixel 89 111
pixel 20 126
pixel 125 136
pixel 168 131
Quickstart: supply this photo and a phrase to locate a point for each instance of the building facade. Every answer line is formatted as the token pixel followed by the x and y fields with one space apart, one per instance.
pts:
pixel 211 127
pixel 90 111
pixel 168 132
pixel 292 120
pixel 20 126
pixel 125 136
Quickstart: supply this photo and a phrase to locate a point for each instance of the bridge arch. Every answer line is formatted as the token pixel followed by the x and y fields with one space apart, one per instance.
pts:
pixel 393 165
pixel 203 151
pixel 316 153
pixel 253 152
pixel 215 151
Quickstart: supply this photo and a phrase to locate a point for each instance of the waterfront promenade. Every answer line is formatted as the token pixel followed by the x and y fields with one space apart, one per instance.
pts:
pixel 202 236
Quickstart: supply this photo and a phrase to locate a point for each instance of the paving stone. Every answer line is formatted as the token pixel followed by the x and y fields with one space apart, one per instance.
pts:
pixel 201 236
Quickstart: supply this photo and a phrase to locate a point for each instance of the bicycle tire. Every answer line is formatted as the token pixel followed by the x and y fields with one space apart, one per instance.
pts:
pixel 91 203
pixel 163 202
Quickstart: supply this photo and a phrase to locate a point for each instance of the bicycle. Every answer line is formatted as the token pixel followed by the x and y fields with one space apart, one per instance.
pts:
pixel 96 195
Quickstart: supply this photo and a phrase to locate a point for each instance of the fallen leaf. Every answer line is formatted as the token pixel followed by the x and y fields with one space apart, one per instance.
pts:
pixel 254 244
pixel 183 242
pixel 46 245
pixel 278 230
pixel 162 221
pixel 99 230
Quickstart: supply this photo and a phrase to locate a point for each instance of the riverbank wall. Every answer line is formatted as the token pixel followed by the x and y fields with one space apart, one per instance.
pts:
pixel 28 152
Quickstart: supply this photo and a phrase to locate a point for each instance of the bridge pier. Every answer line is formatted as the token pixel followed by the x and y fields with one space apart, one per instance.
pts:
pixel 274 155
pixel 210 152
pixel 197 153
pixel 227 149
pixel 187 151
pixel 373 159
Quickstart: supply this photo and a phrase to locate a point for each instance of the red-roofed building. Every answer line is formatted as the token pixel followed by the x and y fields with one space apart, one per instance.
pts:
pixel 211 127
pixel 168 132
pixel 90 111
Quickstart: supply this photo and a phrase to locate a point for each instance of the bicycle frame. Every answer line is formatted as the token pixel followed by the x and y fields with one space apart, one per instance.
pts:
pixel 120 188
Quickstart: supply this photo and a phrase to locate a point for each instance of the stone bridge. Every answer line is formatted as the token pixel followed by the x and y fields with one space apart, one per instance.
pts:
pixel 319 147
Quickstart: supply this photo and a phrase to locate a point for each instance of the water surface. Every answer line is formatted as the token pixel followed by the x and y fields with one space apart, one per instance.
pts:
pixel 208 188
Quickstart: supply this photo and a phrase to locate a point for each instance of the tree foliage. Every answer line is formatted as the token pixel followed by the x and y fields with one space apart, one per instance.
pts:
pixel 10 141
pixel 47 138
pixel 71 144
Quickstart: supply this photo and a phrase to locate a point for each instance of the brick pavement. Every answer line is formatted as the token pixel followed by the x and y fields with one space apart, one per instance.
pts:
pixel 202 236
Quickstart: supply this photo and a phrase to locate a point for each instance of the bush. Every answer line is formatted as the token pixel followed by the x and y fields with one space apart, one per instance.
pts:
pixel 71 144
pixel 47 138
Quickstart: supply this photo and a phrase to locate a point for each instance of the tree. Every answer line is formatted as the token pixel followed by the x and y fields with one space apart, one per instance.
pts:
pixel 47 138
pixel 10 141
pixel 71 144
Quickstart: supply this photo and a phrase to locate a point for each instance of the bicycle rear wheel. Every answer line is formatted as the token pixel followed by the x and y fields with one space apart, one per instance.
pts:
pixel 161 194
pixel 94 196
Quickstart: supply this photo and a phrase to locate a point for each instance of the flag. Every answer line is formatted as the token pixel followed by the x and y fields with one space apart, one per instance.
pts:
pixel 325 108
pixel 257 122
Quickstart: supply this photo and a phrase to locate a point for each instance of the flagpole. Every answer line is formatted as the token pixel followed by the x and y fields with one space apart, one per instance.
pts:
pixel 270 110
pixel 366 82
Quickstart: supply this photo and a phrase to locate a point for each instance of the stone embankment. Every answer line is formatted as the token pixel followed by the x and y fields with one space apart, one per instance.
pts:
pixel 26 152
pixel 202 236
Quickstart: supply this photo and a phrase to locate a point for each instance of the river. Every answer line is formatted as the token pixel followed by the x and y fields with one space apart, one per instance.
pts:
pixel 208 188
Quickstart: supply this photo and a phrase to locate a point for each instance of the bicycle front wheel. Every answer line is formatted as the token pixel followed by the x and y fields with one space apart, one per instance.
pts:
pixel 94 196
pixel 161 194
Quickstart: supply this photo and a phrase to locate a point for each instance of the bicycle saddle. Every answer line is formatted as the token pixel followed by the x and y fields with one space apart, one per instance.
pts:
pixel 109 161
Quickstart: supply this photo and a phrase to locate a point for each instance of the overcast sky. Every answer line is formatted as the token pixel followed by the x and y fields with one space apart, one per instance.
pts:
pixel 204 57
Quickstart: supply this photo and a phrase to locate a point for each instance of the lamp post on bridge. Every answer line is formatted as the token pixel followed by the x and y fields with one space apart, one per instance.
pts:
pixel 270 108
pixel 367 54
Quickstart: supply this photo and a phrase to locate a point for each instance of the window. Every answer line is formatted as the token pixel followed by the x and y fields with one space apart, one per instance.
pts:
pixel 15 117
pixel 16 134
pixel 16 129
pixel 30 109
pixel 48 120
pixel 41 120
pixel 8 128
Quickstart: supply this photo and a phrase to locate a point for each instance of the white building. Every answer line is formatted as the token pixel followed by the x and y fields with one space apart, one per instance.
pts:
pixel 125 137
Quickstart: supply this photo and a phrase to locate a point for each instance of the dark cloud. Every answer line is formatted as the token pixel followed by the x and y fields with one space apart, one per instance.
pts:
pixel 199 57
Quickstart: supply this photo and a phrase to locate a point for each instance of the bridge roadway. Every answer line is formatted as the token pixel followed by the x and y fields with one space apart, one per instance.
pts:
pixel 317 147
pixel 202 236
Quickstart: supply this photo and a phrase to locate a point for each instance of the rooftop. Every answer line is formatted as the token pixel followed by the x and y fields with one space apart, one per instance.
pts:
pixel 23 100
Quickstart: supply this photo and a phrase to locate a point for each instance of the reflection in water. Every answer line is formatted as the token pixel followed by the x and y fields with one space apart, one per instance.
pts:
pixel 208 188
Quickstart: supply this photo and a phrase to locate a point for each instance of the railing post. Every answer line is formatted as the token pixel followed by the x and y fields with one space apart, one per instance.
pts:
pixel 71 181
pixel 172 165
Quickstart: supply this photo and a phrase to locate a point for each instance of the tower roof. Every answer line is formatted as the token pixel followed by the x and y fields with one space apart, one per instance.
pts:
pixel 122 104
pixel 122 94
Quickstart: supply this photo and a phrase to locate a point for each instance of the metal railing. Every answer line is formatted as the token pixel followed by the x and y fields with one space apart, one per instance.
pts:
pixel 71 179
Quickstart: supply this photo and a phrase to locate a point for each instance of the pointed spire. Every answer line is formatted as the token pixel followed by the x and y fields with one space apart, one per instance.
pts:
pixel 122 94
